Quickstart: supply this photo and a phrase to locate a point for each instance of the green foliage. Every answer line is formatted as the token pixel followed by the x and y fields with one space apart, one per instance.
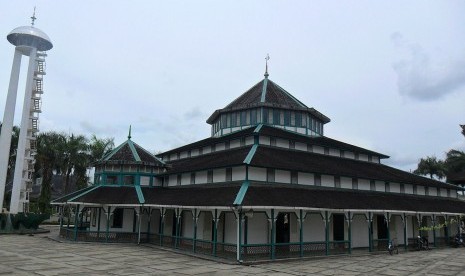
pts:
pixel 431 166
pixel 455 161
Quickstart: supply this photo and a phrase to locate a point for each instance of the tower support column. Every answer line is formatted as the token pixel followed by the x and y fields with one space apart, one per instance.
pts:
pixel 18 182
pixel 7 123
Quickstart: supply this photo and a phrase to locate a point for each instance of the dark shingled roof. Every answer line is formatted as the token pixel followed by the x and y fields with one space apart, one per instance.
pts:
pixel 272 157
pixel 275 96
pixel 220 159
pixel 201 195
pixel 109 195
pixel 211 141
pixel 313 197
pixel 315 140
pixel 130 153
pixel 274 195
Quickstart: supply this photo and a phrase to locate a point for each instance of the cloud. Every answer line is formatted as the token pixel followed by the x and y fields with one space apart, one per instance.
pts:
pixel 194 114
pixel 425 77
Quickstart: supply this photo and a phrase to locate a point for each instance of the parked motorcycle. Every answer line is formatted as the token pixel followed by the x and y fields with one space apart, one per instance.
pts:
pixel 423 243
pixel 458 240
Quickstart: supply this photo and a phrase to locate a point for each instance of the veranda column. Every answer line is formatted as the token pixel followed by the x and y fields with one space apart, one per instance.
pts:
pixel 405 232
pixel 76 218
pixel 61 216
pixel 195 217
pixel 387 216
pixel 273 234
pixel 349 224
pixel 301 232
pixel 446 229
pixel 98 222
pixel 178 225
pixel 108 223
pixel 149 219
pixel 327 232
pixel 370 231
pixel 215 231
pixel 239 235
pixel 433 218
pixel 162 224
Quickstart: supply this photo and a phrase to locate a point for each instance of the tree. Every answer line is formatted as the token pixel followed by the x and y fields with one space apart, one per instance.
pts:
pixel 100 147
pixel 431 166
pixel 76 157
pixel 463 129
pixel 455 161
pixel 49 152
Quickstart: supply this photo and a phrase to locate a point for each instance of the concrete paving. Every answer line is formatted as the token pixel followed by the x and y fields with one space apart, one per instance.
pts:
pixel 38 255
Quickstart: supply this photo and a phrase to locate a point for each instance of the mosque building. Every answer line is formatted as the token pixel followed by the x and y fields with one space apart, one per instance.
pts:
pixel 267 184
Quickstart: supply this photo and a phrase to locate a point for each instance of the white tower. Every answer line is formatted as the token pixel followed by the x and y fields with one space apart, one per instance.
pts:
pixel 32 42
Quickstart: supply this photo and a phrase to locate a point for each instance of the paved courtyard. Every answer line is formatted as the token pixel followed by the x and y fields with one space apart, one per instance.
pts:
pixel 38 255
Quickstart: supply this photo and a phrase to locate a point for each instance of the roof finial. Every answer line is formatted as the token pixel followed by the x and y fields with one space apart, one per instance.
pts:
pixel 266 68
pixel 129 136
pixel 33 17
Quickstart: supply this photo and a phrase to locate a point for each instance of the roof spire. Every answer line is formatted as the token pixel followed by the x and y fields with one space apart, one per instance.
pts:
pixel 33 17
pixel 266 67
pixel 129 135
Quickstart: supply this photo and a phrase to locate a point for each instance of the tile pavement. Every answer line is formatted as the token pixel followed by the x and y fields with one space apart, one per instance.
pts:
pixel 38 255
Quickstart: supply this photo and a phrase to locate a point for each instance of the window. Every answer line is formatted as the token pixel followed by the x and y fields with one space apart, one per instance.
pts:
pixel 354 183
pixel 228 120
pixel 228 174
pixel 270 173
pixel 112 179
pixel 253 116
pixel 238 119
pixel 128 180
pixel 287 118
pixel 294 177
pixel 387 187
pixel 233 119
pixel 179 177
pixel 117 218
pixel 265 115
pixel 210 176
pixel 243 118
pixel 276 118
pixel 193 178
pixel 298 119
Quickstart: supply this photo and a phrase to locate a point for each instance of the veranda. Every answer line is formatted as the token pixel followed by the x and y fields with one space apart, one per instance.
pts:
pixel 256 234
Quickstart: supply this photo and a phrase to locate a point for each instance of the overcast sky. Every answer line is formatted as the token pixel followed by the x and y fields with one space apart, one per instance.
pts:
pixel 390 75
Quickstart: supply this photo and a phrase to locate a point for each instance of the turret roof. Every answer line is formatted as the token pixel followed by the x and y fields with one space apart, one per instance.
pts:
pixel 267 93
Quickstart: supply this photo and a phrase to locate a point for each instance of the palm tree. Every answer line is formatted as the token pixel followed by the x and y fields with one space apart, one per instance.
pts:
pixel 75 158
pixel 455 161
pixel 49 154
pixel 432 167
pixel 100 147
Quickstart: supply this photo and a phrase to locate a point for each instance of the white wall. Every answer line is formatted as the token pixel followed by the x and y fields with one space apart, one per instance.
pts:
pixel 194 152
pixel 220 146
pixel 234 143
pixel 282 176
pixel 230 228
pixel 327 180
pixel 264 140
pixel 257 228
pixel 408 189
pixel 249 140
pixel 363 157
pixel 258 174
pixel 187 224
pixel 394 187
pixel 334 152
pixel 300 146
pixel 219 175
pixel 186 179
pixel 238 173
pixel 282 143
pixel 201 177
pixel 349 154
pixel 380 186
pixel 183 154
pixel 318 149
pixel 374 159
pixel 314 228
pixel 306 178
pixel 359 231
pixel 363 184
pixel 420 190
pixel 145 180
pixel 346 182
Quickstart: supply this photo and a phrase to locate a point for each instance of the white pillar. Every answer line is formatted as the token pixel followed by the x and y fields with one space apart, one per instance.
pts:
pixel 15 205
pixel 7 123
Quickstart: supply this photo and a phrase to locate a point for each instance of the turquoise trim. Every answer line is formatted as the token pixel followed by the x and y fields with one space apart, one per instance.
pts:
pixel 249 156
pixel 84 193
pixel 258 128
pixel 134 151
pixel 241 194
pixel 265 84
pixel 140 195
pixel 113 152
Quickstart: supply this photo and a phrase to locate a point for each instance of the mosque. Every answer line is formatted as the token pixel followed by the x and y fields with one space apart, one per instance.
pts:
pixel 267 184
